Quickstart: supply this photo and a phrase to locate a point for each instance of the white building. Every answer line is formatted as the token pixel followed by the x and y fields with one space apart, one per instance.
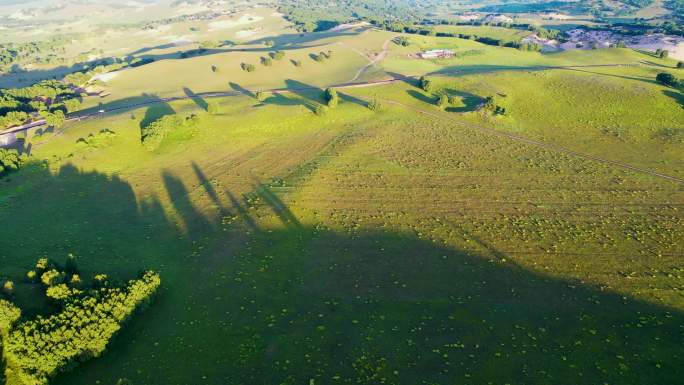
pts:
pixel 436 54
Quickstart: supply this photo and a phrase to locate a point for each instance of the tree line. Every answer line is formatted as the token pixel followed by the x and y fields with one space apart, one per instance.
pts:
pixel 34 350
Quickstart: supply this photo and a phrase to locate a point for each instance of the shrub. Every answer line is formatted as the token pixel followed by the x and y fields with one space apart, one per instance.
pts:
pixel 297 63
pixel 443 101
pixel 667 79
pixel 248 67
pixel 664 54
pixel 402 41
pixel 51 277
pixel 277 55
pixel 100 139
pixel 260 96
pixel 374 105
pixel 8 287
pixel 331 97
pixel 680 64
pixel 152 135
pixel 266 61
pixel 425 84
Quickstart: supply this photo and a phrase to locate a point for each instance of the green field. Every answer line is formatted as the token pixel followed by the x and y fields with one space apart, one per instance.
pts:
pixel 406 245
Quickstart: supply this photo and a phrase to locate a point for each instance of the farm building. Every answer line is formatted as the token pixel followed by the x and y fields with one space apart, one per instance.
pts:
pixel 436 54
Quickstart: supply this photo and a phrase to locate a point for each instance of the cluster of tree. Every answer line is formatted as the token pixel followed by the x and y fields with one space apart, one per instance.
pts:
pixel 51 99
pixel 321 56
pixel 677 8
pixel 100 139
pixel 38 52
pixel 662 53
pixel 35 350
pixel 402 41
pixel 668 79
pixel 416 30
pixel 10 160
pixel 248 67
pixel 490 105
pixel 152 135
pixel 331 97
pixel 527 46
pixel 84 76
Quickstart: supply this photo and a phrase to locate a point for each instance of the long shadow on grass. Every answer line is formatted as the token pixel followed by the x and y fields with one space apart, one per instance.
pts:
pixel 315 95
pixel 236 87
pixel 199 101
pixel 676 95
pixel 361 305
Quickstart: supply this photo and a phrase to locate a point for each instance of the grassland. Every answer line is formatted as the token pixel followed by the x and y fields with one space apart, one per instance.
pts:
pixel 363 247
pixel 427 252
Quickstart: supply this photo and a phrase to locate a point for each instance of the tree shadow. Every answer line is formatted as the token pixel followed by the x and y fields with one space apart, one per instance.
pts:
pixel 470 101
pixel 311 96
pixel 410 80
pixel 676 95
pixel 654 64
pixel 199 101
pixel 238 88
pixel 155 112
pixel 421 96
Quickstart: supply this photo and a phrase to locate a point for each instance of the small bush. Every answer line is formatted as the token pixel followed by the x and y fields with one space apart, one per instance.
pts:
pixel 374 105
pixel 667 79
pixel 277 55
pixel 248 67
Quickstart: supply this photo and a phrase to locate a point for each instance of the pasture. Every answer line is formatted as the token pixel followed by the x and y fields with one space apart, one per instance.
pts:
pixel 362 247
pixel 409 244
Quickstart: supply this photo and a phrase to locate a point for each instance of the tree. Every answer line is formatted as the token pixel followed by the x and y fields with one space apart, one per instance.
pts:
pixel 260 96
pixel 443 101
pixel 55 119
pixel 425 84
pixel 277 55
pixel 667 79
pixel 664 54
pixel 72 105
pixel 248 67
pixel 214 68
pixel 680 64
pixel 266 61
pixel 332 97
pixel 8 287
pixel 297 63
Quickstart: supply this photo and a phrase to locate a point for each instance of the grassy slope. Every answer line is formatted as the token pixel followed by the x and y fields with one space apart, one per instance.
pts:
pixel 505 34
pixel 389 245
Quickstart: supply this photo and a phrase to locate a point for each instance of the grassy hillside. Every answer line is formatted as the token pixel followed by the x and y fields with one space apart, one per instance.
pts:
pixel 361 246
